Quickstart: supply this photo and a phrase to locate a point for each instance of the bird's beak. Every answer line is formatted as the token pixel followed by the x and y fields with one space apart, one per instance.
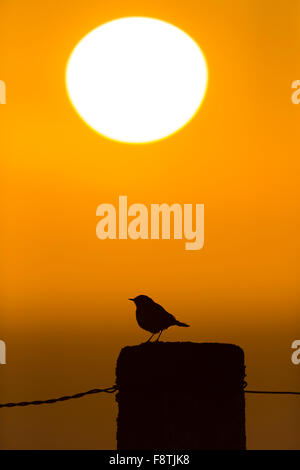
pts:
pixel 131 299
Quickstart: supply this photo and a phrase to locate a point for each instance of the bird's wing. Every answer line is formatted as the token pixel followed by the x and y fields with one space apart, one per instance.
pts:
pixel 164 315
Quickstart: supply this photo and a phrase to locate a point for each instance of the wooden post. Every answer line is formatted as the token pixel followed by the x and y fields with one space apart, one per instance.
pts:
pixel 181 396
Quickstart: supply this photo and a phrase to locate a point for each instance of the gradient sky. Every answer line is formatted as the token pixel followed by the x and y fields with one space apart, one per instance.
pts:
pixel 64 308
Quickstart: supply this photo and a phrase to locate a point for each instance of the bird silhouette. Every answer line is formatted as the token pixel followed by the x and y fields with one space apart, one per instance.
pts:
pixel 153 317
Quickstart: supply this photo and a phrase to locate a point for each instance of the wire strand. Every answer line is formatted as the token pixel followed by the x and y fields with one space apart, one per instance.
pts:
pixel 112 389
pixel 268 392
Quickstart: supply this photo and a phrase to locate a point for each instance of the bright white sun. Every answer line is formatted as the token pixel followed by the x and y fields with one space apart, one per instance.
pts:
pixel 136 79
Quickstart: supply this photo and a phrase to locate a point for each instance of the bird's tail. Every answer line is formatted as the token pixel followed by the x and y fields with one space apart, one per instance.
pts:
pixel 179 323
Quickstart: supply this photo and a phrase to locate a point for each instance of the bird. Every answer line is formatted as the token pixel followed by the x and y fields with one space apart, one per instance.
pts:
pixel 153 317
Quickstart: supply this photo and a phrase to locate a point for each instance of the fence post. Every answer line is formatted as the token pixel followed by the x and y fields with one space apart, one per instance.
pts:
pixel 181 396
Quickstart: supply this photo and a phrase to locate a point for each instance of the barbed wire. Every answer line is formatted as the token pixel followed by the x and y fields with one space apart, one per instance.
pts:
pixel 113 389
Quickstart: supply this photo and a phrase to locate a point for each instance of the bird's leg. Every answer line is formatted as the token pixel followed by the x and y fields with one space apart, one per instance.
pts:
pixel 150 338
pixel 159 335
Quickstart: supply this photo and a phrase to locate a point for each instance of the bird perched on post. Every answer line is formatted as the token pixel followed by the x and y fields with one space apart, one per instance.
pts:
pixel 153 317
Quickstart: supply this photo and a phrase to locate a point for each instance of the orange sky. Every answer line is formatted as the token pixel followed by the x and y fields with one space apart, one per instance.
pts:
pixel 64 308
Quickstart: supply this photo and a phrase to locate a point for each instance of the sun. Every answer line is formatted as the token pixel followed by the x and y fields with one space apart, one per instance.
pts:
pixel 136 79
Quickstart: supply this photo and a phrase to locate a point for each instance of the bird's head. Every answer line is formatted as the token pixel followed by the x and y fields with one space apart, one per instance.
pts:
pixel 141 300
